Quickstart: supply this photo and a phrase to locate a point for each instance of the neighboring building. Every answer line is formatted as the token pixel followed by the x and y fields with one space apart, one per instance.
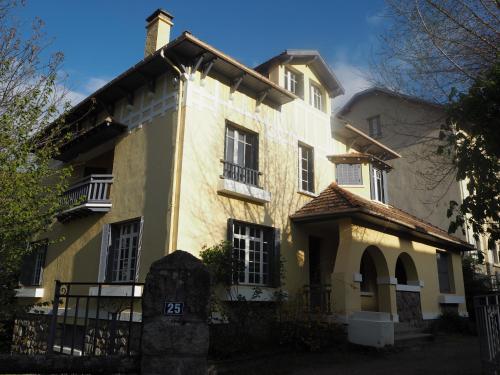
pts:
pixel 190 147
pixel 422 183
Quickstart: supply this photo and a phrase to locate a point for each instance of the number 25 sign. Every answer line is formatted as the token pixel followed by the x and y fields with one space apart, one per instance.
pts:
pixel 173 308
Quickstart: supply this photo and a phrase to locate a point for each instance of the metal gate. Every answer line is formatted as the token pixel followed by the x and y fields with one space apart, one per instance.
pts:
pixel 96 319
pixel 488 326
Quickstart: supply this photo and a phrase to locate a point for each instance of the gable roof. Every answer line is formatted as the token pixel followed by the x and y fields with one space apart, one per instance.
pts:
pixel 335 201
pixel 373 91
pixel 311 58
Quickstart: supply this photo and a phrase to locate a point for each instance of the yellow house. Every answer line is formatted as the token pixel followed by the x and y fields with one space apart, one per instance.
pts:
pixel 411 126
pixel 190 147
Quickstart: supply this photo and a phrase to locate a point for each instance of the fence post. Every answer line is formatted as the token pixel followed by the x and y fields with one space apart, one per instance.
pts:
pixel 174 315
pixel 53 321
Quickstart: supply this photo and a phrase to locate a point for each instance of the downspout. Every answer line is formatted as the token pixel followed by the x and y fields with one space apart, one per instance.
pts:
pixel 179 147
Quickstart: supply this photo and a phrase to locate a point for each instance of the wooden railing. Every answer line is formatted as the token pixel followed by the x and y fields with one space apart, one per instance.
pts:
pixel 92 189
pixel 241 174
pixel 317 298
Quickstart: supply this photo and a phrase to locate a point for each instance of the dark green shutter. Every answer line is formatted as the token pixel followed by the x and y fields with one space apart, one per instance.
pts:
pixel 28 268
pixel 230 234
pixel 275 276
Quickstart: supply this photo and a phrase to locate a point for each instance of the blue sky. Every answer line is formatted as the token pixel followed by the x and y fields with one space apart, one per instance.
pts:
pixel 101 39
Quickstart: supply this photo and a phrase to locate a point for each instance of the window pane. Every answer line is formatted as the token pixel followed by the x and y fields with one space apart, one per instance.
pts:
pixel 349 174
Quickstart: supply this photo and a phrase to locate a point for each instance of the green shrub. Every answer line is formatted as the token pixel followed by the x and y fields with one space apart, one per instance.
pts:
pixel 451 322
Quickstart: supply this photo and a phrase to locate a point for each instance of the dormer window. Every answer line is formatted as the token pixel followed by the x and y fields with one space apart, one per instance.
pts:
pixel 291 81
pixel 349 174
pixel 378 185
pixel 374 127
pixel 316 97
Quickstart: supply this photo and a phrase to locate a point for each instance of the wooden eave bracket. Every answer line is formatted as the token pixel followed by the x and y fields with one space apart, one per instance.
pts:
pixel 207 67
pixel 262 96
pixel 236 83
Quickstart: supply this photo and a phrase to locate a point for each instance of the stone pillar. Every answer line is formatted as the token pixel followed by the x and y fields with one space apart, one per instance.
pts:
pixel 175 312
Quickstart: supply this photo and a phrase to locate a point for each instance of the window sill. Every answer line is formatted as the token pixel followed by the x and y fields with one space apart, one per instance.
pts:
pixel 367 294
pixel 407 288
pixel 30 292
pixel 116 291
pixel 247 291
pixel 446 299
pixel 241 190
pixel 307 193
pixel 352 186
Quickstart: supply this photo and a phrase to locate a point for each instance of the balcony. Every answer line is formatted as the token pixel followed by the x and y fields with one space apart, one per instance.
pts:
pixel 242 182
pixel 87 196
pixel 317 299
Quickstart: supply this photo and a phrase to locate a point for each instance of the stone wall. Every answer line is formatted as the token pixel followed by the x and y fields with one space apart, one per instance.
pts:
pixel 30 334
pixel 409 307
pixel 112 340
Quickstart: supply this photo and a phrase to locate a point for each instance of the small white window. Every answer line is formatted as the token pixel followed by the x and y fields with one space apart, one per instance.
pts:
pixel 349 174
pixel 374 127
pixel 316 97
pixel 378 185
pixel 291 81
pixel 306 168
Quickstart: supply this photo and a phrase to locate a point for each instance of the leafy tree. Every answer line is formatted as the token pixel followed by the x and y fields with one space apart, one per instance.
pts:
pixel 432 48
pixel 30 100
pixel 473 132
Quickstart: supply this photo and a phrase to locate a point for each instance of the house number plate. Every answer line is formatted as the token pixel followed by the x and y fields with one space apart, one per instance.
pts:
pixel 173 308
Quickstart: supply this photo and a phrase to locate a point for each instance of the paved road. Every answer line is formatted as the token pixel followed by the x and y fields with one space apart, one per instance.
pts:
pixel 457 355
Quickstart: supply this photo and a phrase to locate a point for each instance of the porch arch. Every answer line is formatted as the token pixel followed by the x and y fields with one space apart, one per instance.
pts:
pixel 405 269
pixel 373 268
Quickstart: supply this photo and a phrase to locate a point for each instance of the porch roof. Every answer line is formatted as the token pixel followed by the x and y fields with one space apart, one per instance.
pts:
pixel 335 201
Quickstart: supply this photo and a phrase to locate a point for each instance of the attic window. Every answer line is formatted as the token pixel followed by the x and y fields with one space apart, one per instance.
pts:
pixel 375 127
pixel 293 82
pixel 316 97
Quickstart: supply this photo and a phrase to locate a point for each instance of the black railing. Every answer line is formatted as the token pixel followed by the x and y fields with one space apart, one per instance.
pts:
pixel 92 189
pixel 241 174
pixel 487 310
pixel 93 319
pixel 318 298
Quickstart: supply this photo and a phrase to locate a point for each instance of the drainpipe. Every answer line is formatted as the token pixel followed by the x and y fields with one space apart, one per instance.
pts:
pixel 179 147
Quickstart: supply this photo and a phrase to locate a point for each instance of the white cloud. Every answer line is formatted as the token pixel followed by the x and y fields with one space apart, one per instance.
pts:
pixel 94 84
pixel 353 79
pixel 375 19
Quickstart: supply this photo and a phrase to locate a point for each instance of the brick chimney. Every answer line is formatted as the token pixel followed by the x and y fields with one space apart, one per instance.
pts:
pixel 157 31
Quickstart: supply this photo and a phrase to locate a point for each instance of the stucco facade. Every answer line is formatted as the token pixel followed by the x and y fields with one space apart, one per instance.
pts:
pixel 168 171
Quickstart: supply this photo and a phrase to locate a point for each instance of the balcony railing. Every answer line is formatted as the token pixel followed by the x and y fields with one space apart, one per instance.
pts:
pixel 88 195
pixel 317 298
pixel 241 174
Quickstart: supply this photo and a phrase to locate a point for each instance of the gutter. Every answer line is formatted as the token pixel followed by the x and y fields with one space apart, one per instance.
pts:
pixel 179 148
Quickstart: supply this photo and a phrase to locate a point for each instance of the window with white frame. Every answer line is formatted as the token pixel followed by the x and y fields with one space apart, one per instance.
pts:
pixel 124 251
pixel 378 185
pixel 444 271
pixel 254 246
pixel 348 174
pixel 306 168
pixel 291 81
pixel 33 263
pixel 241 156
pixel 316 97
pixel 374 127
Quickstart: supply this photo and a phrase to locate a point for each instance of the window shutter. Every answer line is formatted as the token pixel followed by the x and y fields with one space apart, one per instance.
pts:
pixel 139 248
pixel 103 259
pixel 275 277
pixel 372 181
pixel 310 171
pixel 28 267
pixel 386 190
pixel 43 255
pixel 230 235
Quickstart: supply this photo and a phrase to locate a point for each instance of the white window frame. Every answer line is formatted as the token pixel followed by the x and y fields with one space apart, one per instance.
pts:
pixel 378 185
pixel 237 143
pixel 125 259
pixel 316 97
pixel 374 127
pixel 263 253
pixel 309 159
pixel 291 81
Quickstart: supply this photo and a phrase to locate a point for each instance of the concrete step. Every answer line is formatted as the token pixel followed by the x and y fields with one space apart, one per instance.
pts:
pixel 412 339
